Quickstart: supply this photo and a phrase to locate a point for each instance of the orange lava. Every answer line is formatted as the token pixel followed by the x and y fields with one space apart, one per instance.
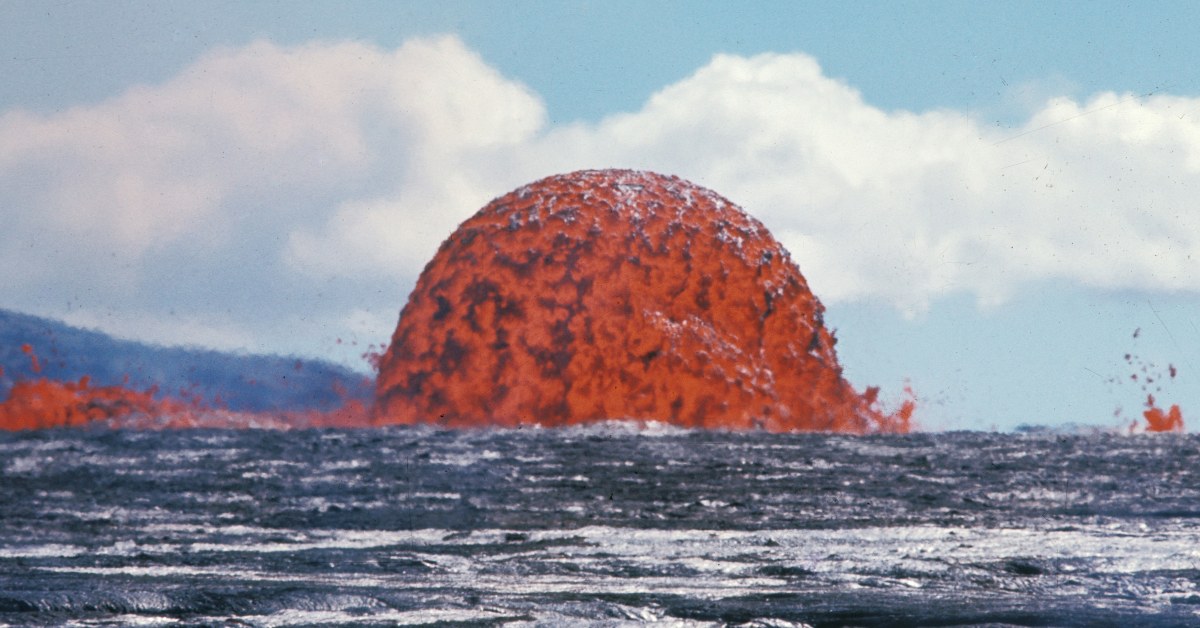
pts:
pixel 616 294
pixel 1159 421
pixel 43 403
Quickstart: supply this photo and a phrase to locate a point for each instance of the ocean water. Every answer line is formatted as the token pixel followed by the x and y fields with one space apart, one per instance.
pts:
pixel 606 525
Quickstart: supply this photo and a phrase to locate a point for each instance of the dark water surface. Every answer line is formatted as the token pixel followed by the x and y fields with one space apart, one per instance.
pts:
pixel 606 525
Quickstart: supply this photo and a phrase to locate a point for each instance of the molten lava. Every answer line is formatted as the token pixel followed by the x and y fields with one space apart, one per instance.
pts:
pixel 589 296
pixel 617 294
pixel 43 403
pixel 1158 420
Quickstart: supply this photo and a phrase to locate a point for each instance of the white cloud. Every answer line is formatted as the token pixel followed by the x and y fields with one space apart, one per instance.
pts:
pixel 228 189
pixel 265 180
pixel 906 207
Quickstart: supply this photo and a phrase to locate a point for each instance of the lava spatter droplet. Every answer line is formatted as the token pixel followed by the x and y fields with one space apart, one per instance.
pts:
pixel 616 294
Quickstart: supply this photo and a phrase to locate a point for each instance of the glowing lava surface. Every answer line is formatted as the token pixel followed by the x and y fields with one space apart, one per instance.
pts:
pixel 616 294
pixel 45 403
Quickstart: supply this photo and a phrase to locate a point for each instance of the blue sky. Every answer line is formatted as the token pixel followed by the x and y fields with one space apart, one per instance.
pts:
pixel 990 199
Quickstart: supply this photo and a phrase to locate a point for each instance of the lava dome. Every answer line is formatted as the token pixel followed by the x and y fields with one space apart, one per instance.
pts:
pixel 617 294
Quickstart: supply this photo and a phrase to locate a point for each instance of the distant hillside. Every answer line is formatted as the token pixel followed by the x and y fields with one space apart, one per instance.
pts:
pixel 239 382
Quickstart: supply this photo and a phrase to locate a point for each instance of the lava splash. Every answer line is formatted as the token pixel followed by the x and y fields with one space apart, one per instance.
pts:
pixel 1159 420
pixel 617 294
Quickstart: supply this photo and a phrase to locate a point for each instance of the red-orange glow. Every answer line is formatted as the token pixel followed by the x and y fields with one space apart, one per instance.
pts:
pixel 1159 421
pixel 44 403
pixel 618 295
pixel 1151 379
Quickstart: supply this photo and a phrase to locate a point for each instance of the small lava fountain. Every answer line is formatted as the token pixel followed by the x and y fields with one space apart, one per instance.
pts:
pixel 1151 380
pixel 1159 420
pixel 617 294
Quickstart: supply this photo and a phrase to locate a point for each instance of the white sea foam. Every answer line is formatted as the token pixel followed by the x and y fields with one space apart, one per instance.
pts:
pixel 49 550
